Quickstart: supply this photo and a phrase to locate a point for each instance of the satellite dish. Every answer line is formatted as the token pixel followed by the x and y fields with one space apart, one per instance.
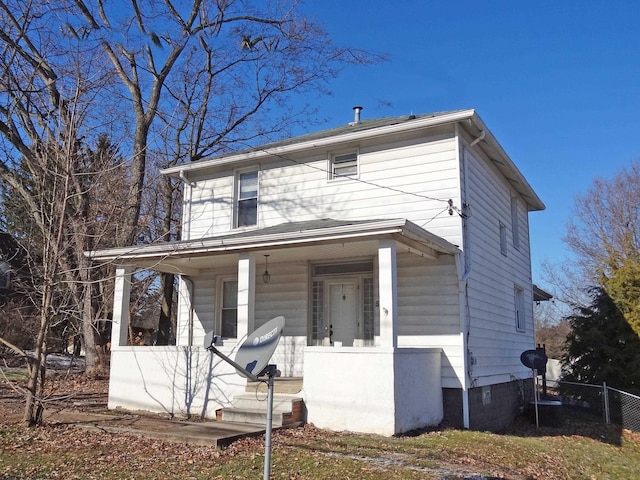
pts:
pixel 534 359
pixel 256 351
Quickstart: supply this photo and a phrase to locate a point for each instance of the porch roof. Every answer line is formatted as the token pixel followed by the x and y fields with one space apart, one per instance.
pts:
pixel 191 257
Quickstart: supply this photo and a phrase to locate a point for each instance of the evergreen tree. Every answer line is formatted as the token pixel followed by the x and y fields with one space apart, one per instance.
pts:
pixel 602 346
pixel 623 285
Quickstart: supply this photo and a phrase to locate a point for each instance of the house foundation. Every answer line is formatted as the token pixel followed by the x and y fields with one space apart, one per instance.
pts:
pixel 491 407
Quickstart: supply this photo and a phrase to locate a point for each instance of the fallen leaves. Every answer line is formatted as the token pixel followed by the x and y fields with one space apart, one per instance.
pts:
pixel 523 452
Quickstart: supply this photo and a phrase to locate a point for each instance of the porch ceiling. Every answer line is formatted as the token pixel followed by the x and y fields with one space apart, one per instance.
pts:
pixel 293 241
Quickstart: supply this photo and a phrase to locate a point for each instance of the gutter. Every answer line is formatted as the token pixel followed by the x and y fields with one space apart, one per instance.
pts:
pixel 323 142
pixel 278 239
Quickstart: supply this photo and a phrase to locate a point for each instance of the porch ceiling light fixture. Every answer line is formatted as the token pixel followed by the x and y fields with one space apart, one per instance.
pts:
pixel 266 276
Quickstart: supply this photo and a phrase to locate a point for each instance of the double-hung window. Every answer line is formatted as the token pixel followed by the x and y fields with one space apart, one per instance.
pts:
pixel 518 294
pixel 515 225
pixel 344 165
pixel 503 238
pixel 229 308
pixel 247 198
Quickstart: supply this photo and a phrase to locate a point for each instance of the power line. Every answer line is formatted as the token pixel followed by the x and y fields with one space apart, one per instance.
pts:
pixel 451 208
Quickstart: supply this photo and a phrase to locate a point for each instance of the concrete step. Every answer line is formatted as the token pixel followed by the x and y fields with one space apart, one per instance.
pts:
pixel 290 385
pixel 281 402
pixel 252 416
pixel 288 410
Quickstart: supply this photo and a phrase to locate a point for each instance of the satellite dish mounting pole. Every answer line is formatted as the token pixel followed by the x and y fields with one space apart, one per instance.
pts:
pixel 271 371
pixel 535 396
pixel 253 356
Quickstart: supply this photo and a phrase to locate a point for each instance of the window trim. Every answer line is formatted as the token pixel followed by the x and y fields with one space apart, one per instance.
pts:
pixel 236 196
pixel 333 176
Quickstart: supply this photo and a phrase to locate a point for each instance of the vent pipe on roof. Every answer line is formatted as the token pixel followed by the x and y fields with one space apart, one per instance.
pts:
pixel 356 115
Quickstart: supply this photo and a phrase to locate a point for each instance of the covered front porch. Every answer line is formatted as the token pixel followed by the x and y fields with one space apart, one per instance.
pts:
pixel 336 284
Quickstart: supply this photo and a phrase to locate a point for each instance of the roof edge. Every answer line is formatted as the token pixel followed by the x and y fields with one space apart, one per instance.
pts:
pixel 225 244
pixel 259 153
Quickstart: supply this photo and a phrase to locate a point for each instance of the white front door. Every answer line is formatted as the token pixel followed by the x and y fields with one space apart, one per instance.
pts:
pixel 343 311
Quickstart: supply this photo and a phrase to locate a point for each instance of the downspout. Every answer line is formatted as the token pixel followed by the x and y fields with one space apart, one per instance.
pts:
pixel 464 269
pixel 186 221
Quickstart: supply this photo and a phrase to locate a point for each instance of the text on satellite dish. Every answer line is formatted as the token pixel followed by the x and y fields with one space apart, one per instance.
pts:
pixel 265 337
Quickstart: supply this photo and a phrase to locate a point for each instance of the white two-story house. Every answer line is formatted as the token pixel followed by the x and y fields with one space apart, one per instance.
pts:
pixel 396 249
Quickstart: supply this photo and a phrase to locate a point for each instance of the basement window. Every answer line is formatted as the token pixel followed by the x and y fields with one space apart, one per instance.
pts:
pixel 486 395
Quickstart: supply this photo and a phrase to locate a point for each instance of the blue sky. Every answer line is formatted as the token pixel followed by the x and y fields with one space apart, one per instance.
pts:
pixel 557 82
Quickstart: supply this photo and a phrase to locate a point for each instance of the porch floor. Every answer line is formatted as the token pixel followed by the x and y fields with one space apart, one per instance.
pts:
pixel 288 385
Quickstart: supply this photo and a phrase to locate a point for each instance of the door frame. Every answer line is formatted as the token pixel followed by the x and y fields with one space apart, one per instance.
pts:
pixel 344 271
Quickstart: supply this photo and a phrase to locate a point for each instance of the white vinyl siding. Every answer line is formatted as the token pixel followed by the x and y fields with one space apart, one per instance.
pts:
pixel 429 311
pixel 410 179
pixel 494 340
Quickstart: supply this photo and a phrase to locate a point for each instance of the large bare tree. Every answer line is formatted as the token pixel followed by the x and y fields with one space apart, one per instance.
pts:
pixel 604 235
pixel 170 80
pixel 200 77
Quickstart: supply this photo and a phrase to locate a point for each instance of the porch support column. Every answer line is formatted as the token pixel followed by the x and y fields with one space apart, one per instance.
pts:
pixel 388 293
pixel 121 299
pixel 246 294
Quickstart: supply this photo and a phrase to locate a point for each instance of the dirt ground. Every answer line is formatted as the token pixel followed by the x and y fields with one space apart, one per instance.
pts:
pixel 70 392
pixel 73 399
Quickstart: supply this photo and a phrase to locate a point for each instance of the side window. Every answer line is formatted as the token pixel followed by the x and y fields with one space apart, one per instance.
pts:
pixel 514 223
pixel 246 199
pixel 518 295
pixel 503 239
pixel 229 308
pixel 344 165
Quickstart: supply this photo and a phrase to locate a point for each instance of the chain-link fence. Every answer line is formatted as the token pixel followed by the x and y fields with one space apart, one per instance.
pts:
pixel 611 404
pixel 624 408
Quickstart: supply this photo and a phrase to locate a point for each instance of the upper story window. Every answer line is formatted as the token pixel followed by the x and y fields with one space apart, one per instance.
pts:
pixel 518 296
pixel 514 223
pixel 344 165
pixel 246 198
pixel 503 239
